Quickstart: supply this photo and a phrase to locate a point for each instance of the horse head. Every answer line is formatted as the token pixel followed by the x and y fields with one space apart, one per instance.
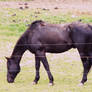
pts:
pixel 13 69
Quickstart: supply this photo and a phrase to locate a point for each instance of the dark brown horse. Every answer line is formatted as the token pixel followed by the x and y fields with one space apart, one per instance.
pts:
pixel 42 37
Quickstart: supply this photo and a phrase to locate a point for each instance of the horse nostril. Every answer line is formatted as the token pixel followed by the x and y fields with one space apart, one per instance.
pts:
pixel 10 80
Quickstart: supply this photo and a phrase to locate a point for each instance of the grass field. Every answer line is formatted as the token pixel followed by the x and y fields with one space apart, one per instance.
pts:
pixel 66 67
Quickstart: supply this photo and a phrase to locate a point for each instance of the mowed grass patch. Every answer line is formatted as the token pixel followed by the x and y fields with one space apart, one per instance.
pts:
pixel 66 67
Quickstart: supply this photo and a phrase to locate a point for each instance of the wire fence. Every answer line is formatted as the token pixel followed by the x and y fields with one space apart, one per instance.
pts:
pixel 55 44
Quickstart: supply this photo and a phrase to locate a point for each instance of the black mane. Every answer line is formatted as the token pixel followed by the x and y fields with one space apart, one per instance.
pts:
pixel 36 24
pixel 37 21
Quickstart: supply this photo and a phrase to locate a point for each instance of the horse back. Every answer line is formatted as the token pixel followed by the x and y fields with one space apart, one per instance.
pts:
pixel 53 38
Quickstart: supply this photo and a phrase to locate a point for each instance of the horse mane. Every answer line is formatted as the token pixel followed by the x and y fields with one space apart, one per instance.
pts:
pixel 36 24
pixel 37 21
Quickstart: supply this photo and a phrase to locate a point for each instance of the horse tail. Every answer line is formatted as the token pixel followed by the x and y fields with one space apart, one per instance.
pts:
pixel 90 26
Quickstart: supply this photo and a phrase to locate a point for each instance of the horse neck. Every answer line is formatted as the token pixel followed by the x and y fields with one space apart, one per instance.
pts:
pixel 18 51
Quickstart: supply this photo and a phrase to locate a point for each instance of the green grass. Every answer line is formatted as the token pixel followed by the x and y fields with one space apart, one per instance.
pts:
pixel 66 67
pixel 16 20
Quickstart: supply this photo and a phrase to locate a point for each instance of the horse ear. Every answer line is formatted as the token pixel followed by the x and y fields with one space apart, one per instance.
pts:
pixel 7 58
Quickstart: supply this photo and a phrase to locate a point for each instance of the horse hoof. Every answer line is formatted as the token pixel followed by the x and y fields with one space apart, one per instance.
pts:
pixel 81 84
pixel 34 83
pixel 51 84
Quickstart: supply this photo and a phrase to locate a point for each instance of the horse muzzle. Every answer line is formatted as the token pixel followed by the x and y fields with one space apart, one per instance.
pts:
pixel 10 80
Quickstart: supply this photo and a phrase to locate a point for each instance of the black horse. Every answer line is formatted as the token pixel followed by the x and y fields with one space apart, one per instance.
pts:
pixel 42 37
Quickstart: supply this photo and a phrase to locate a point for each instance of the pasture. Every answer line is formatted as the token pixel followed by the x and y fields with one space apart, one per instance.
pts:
pixel 66 67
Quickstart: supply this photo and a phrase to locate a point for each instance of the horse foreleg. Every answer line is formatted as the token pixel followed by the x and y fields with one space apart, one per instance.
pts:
pixel 46 66
pixel 37 67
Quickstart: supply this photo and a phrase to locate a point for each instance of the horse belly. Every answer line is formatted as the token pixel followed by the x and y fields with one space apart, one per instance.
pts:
pixel 57 48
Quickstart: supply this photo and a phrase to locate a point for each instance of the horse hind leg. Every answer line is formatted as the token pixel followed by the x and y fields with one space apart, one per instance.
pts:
pixel 86 60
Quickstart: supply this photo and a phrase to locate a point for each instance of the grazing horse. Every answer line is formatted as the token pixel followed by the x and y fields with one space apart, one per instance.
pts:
pixel 42 37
